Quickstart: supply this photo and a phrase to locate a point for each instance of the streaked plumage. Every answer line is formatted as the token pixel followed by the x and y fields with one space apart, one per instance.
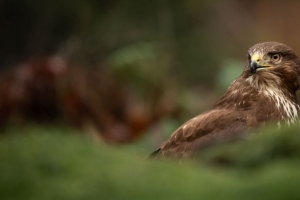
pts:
pixel 264 92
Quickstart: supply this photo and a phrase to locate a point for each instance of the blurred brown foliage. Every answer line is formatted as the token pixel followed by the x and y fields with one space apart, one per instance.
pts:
pixel 50 89
pixel 121 67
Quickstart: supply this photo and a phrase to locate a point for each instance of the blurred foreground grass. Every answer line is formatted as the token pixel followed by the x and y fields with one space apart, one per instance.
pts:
pixel 56 163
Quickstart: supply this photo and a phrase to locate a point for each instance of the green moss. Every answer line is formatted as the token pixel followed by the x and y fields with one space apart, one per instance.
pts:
pixel 43 163
pixel 263 148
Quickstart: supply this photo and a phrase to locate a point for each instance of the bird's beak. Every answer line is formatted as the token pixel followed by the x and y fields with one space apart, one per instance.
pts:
pixel 256 64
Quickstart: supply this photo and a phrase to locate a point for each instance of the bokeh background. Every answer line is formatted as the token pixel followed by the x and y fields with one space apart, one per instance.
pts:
pixel 128 71
pixel 88 88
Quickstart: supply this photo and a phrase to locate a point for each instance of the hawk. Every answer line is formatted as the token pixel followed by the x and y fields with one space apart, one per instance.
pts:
pixel 264 92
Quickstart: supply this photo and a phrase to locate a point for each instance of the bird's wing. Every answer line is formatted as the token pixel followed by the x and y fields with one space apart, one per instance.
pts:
pixel 207 128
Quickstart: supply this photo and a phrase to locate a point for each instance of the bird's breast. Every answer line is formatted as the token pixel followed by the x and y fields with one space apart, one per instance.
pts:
pixel 287 109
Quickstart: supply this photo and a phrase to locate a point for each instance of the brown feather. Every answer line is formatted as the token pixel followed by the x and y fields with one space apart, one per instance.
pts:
pixel 252 100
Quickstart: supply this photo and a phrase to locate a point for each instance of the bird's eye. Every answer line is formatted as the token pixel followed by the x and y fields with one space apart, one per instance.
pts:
pixel 275 57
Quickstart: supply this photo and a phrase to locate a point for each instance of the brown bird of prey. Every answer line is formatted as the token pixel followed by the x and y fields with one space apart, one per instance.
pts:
pixel 264 92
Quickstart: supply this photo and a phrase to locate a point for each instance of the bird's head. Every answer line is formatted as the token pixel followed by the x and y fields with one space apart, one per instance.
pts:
pixel 273 62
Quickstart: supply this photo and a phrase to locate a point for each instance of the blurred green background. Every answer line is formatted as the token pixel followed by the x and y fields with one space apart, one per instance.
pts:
pixel 122 72
pixel 125 68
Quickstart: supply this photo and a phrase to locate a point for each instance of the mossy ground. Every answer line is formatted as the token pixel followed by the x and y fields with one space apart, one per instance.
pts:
pixel 56 163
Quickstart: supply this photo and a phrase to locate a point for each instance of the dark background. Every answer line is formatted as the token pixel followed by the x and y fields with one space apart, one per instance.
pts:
pixel 122 69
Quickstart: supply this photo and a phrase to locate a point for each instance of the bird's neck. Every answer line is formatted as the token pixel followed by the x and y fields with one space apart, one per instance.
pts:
pixel 272 86
pixel 259 97
pixel 283 99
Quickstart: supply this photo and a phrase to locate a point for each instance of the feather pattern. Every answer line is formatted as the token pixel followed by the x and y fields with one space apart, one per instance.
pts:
pixel 252 100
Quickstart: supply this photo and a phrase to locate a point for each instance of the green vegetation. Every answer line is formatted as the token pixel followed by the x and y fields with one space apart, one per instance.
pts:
pixel 45 163
pixel 269 146
pixel 133 71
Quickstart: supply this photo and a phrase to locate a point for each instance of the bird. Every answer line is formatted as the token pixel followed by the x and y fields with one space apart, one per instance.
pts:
pixel 265 92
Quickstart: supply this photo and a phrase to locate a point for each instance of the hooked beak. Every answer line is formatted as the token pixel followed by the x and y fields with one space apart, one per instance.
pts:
pixel 256 64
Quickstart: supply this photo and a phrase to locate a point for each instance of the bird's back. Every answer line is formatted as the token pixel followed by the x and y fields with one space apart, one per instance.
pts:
pixel 265 92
